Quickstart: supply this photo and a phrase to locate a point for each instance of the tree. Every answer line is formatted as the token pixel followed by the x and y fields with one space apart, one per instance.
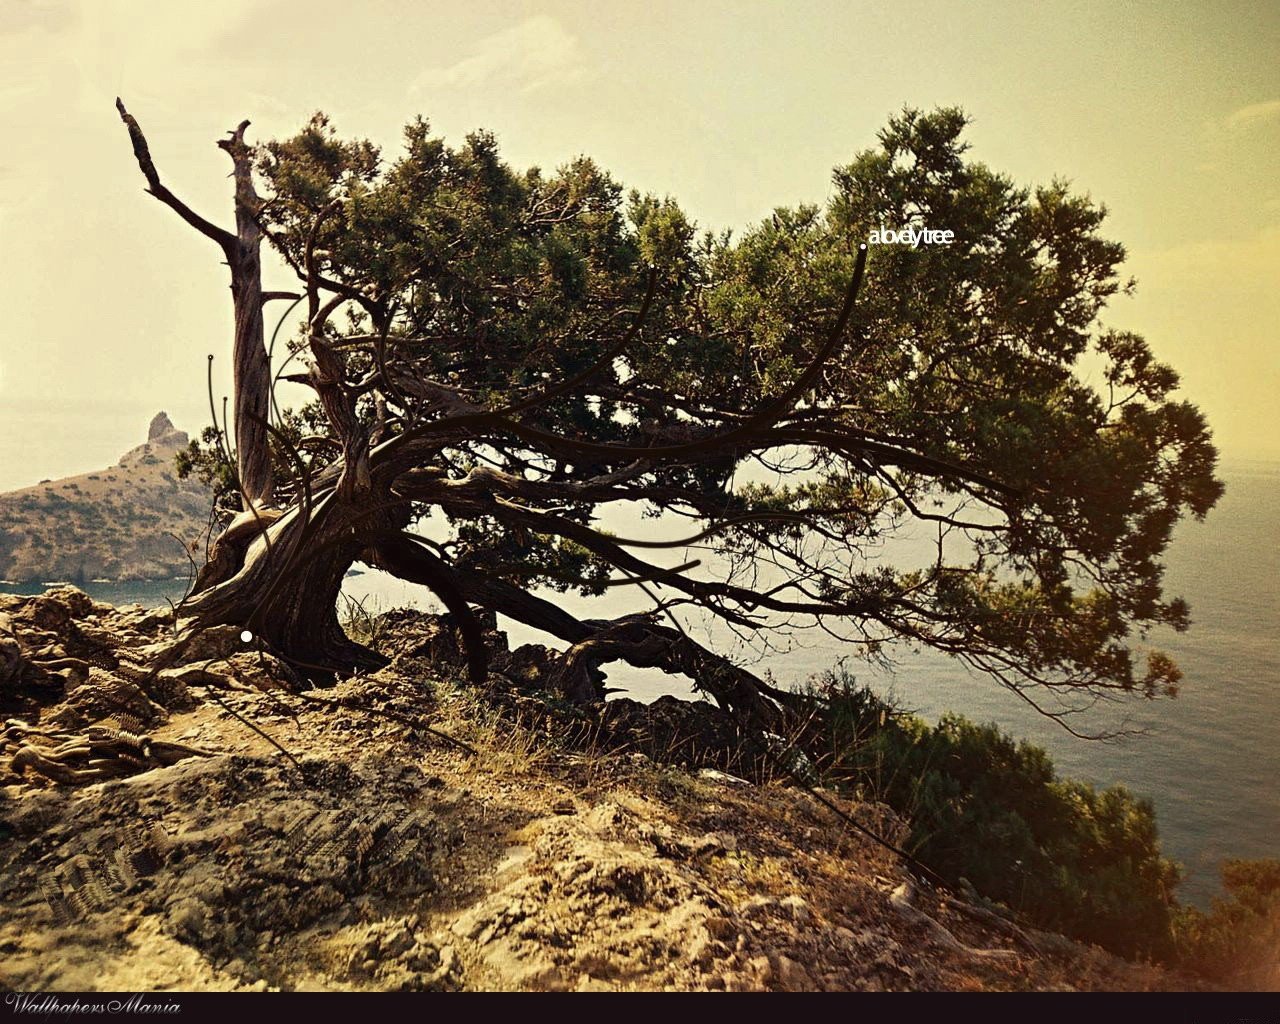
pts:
pixel 513 355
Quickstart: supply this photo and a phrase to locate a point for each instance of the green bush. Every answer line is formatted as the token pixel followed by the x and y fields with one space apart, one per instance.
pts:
pixel 992 812
pixel 1238 941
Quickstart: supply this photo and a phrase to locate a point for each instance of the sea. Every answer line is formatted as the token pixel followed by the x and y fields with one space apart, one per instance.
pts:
pixel 1208 759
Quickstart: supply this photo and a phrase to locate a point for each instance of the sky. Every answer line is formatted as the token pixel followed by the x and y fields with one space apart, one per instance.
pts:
pixel 1169 114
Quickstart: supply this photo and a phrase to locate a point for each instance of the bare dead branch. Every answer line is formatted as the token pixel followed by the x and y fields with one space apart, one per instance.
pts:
pixel 156 188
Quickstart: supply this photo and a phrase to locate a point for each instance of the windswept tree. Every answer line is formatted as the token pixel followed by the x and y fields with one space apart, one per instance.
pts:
pixel 515 356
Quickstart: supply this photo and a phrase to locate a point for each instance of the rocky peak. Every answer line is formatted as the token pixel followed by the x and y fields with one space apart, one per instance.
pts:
pixel 162 431
pixel 162 437
pixel 160 425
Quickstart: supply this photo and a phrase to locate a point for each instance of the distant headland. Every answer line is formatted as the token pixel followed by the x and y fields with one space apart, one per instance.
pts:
pixel 132 521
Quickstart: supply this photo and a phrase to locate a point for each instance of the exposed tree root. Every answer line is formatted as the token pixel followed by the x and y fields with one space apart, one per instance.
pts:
pixel 104 751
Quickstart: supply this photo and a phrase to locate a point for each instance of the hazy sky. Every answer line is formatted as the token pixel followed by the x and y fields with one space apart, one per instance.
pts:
pixel 1169 113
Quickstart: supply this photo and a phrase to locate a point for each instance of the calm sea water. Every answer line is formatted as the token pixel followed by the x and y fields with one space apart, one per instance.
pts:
pixel 1210 759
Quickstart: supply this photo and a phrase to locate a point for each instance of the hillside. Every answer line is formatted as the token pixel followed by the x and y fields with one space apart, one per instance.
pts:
pixel 127 522
pixel 203 826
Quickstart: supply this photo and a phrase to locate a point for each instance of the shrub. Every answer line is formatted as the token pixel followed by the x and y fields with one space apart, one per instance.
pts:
pixel 991 811
pixel 1237 941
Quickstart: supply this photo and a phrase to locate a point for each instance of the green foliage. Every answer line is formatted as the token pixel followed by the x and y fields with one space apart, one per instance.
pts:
pixel 969 353
pixel 1238 940
pixel 987 809
pixel 957 398
pixel 206 460
pixel 519 266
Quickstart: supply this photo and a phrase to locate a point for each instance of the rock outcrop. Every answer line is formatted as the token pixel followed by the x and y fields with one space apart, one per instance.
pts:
pixel 401 832
pixel 162 431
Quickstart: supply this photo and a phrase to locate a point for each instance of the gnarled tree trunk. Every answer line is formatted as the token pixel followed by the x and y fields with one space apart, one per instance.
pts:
pixel 284 590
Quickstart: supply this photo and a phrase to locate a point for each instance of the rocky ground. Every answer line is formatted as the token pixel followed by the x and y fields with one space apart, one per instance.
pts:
pixel 209 827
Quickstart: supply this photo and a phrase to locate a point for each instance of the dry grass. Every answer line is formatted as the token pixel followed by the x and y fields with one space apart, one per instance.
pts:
pixel 362 620
pixel 503 746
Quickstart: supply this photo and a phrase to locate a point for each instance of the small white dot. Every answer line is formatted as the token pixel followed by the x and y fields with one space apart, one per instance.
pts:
pixel 246 636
